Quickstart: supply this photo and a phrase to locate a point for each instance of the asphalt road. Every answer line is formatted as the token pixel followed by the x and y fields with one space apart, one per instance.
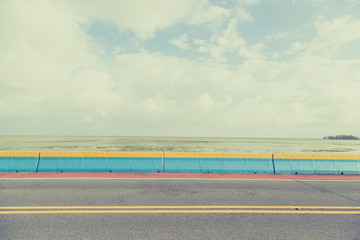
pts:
pixel 185 209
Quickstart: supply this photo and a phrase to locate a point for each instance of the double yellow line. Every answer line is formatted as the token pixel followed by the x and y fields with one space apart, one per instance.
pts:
pixel 179 209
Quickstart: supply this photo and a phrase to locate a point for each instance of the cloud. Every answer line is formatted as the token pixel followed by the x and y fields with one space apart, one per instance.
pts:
pixel 296 46
pixel 278 35
pixel 248 2
pixel 205 102
pixel 203 12
pixel 157 104
pixel 181 42
pixel 221 42
pixel 47 68
pixel 39 51
pixel 53 81
pixel 199 41
pixel 94 91
pixel 335 33
pixel 145 18
pixel 243 15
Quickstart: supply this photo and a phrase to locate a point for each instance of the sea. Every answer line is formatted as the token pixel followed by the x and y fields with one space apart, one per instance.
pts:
pixel 178 144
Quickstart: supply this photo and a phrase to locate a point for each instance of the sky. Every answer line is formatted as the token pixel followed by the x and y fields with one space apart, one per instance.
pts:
pixel 192 68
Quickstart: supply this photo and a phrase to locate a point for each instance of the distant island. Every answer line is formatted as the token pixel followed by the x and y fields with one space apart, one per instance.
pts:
pixel 342 137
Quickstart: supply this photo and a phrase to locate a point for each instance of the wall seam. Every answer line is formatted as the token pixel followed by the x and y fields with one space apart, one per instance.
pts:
pixel 37 163
pixel 273 162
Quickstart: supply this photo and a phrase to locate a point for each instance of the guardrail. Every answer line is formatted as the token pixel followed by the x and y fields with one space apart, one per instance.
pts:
pixel 316 163
pixel 18 161
pixel 172 162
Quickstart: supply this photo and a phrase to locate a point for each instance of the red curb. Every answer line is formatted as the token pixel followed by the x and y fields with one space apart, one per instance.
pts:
pixel 178 175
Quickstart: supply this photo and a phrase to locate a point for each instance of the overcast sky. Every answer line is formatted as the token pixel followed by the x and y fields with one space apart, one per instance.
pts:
pixel 245 68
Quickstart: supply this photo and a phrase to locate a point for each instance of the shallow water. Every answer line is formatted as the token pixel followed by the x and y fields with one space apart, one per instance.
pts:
pixel 177 144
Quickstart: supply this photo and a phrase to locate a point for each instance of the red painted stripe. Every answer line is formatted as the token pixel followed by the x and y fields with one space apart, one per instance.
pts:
pixel 178 175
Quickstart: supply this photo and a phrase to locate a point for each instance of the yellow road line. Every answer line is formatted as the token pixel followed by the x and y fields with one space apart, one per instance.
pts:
pixel 180 211
pixel 178 207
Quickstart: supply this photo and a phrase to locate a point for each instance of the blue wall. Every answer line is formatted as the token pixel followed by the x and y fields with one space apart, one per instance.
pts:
pixel 18 161
pixel 316 164
pixel 100 162
pixel 179 162
pixel 218 163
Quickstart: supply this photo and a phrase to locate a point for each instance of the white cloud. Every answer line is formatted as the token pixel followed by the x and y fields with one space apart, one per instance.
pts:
pixel 117 50
pixel 51 31
pixel 158 104
pixel 94 90
pixel 337 32
pixel 296 46
pixel 248 2
pixel 278 35
pixel 222 42
pixel 203 12
pixel 88 118
pixel 47 69
pixel 181 42
pixel 199 41
pixel 205 102
pixel 243 15
pixel 39 52
pixel 228 100
pixel 144 18
pixel 332 39
pixel 50 77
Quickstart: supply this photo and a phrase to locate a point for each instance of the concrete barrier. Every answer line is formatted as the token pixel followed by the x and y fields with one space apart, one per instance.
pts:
pixel 18 161
pixel 172 162
pixel 100 162
pixel 218 163
pixel 316 163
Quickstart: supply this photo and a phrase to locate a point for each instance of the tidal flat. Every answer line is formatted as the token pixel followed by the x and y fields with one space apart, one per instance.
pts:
pixel 178 144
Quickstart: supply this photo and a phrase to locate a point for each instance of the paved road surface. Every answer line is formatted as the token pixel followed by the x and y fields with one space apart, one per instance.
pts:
pixel 200 209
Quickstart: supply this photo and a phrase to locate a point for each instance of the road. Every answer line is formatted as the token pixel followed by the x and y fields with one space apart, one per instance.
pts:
pixel 178 209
